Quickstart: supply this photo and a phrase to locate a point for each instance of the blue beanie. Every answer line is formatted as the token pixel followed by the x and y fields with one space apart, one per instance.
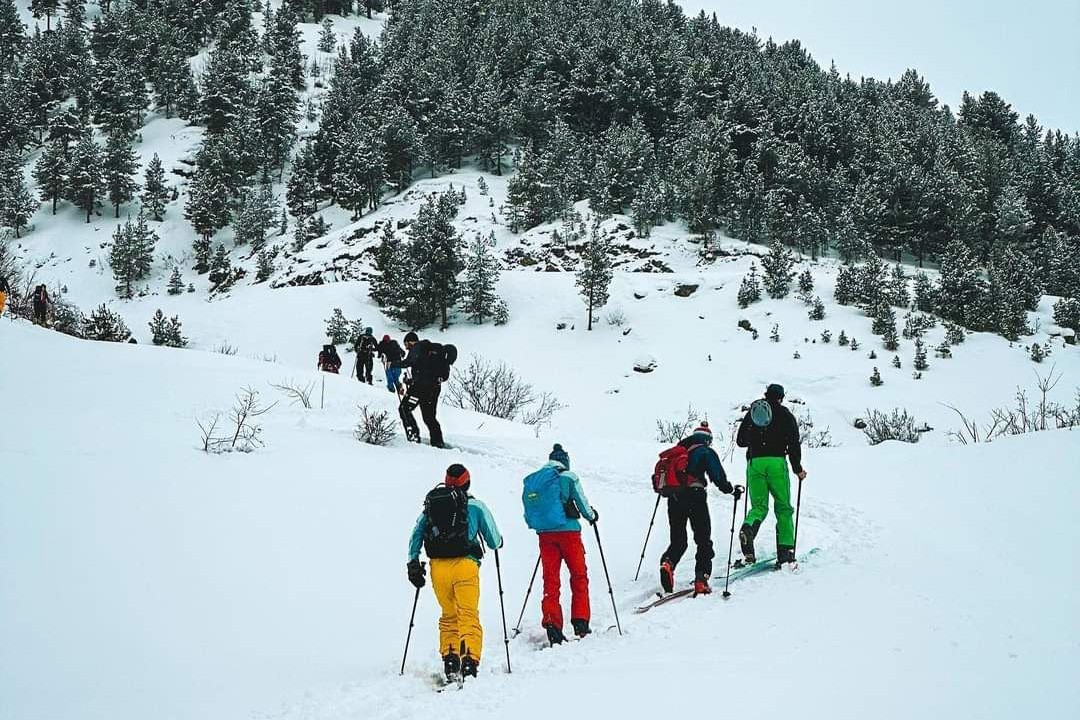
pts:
pixel 559 455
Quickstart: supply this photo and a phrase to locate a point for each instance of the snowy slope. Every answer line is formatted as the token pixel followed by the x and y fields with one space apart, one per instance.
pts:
pixel 143 578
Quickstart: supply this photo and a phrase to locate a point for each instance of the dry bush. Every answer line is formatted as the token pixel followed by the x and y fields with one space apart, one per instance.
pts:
pixel 897 425
pixel 1023 416
pixel 242 433
pixel 296 392
pixel 672 431
pixel 375 427
pixel 496 390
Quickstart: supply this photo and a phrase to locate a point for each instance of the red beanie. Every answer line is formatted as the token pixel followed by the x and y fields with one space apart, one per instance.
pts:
pixel 457 475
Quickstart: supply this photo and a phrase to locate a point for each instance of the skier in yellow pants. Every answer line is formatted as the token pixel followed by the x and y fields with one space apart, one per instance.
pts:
pixel 453 530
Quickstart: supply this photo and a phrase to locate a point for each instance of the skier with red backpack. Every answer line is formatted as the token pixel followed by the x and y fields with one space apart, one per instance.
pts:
pixel 453 530
pixel 681 476
pixel 554 500
pixel 329 360
pixel 430 363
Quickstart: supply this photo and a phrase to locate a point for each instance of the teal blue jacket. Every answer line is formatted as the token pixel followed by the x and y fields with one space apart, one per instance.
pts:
pixel 571 494
pixel 481 524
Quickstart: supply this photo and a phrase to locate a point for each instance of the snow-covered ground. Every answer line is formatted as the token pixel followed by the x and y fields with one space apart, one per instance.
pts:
pixel 143 578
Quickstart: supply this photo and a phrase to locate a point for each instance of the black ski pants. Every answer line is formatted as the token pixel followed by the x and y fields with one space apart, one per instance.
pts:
pixel 364 364
pixel 690 504
pixel 427 398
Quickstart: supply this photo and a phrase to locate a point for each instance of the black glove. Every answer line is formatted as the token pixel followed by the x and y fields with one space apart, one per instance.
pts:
pixel 738 492
pixel 416 573
pixel 595 516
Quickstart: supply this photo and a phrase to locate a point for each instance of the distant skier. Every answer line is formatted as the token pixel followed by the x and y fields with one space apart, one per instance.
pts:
pixel 687 502
pixel 4 290
pixel 390 352
pixel 554 501
pixel 453 529
pixel 365 356
pixel 430 363
pixel 329 360
pixel 769 432
pixel 40 301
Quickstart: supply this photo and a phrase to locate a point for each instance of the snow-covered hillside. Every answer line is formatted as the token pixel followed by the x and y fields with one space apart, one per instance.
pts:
pixel 143 578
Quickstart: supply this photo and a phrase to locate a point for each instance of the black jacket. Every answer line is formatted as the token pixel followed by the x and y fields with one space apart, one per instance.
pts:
pixel 427 366
pixel 390 351
pixel 366 346
pixel 703 462
pixel 780 438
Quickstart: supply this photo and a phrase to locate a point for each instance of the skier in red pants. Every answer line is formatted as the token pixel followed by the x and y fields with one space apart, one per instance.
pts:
pixel 554 501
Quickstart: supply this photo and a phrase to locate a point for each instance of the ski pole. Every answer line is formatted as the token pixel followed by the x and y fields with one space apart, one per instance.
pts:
pixel 798 502
pixel 731 541
pixel 647 534
pixel 607 577
pixel 408 637
pixel 517 628
pixel 502 608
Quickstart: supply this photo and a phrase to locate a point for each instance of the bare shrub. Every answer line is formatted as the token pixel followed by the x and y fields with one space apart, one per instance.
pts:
pixel 615 317
pixel 810 437
pixel 496 390
pixel 243 433
pixel 376 427
pixel 1025 415
pixel 897 425
pixel 672 431
pixel 296 392
pixel 226 349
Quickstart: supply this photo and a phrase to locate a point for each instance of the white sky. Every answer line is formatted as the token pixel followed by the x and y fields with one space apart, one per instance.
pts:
pixel 1029 53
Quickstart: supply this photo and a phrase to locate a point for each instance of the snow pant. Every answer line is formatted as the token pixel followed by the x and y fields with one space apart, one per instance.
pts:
pixel 393 379
pixel 456 582
pixel 767 476
pixel 555 548
pixel 364 364
pixel 690 504
pixel 427 398
pixel 39 313
pixel 3 302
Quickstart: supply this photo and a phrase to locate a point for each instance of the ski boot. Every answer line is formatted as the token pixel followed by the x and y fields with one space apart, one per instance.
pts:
pixel 747 533
pixel 451 666
pixel 581 627
pixel 555 635
pixel 701 585
pixel 667 576
pixel 785 554
pixel 469 666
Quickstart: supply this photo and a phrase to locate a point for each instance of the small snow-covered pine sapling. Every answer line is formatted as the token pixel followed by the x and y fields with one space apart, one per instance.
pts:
pixel 775 334
pixel 1037 353
pixel 796 356
pixel 327 40
pixel 954 334
pixel 854 344
pixel 916 375
pixel 817 312
pixel 482 186
pixel 889 340
pixel 176 283
pixel 806 281
pixel 337 327
pixel 943 351
pixel 842 339
pixel 920 355
pixel 896 361
pixel 875 379
pixel 826 336
pixel 872 355
pixel 750 288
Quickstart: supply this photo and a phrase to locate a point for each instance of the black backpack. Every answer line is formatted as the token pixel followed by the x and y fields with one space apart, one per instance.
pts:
pixel 440 358
pixel 447 512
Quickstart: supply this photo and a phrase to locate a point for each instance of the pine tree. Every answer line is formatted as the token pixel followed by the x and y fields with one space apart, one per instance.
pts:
pixel 167 332
pixel 327 39
pixel 775 334
pixel 750 288
pixel 889 339
pixel 595 273
pixel 959 290
pixel 254 217
pixel 920 356
pixel 826 336
pixel 842 339
pixel 848 282
pixel 85 180
pixel 481 273
pixel 817 312
pixel 806 282
pixel 220 267
pixel 925 293
pixel 50 172
pixel 207 207
pixel 1067 313
pixel 106 326
pixel 898 287
pixel 120 164
pixel 12 37
pixel 302 195
pixel 358 177
pixel 265 264
pixel 176 282
pixel 1037 353
pixel 393 286
pixel 17 205
pixel 896 362
pixel 875 378
pixel 155 193
pixel 337 327
pixel 131 255
pixel 204 254
pixel 778 274
pixel 437 255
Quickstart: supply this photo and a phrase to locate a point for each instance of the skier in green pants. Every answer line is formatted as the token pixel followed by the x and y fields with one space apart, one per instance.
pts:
pixel 769 432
